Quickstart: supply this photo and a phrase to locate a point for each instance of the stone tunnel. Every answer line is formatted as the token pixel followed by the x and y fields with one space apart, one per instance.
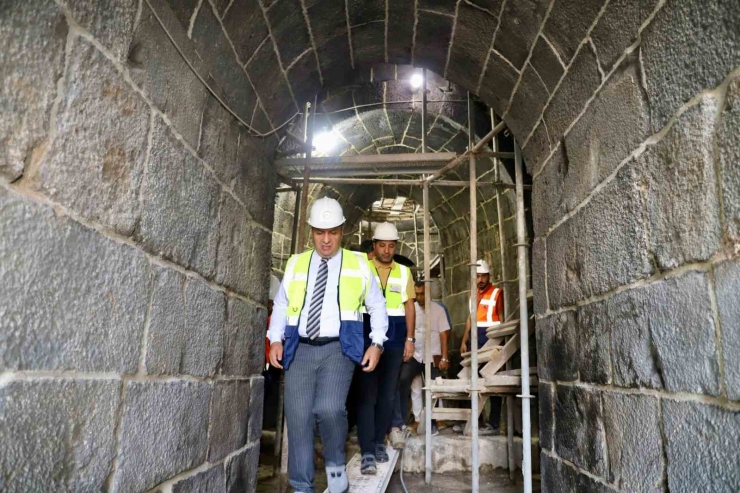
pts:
pixel 139 220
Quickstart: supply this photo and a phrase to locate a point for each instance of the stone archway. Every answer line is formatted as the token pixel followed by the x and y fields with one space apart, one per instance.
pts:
pixel 128 190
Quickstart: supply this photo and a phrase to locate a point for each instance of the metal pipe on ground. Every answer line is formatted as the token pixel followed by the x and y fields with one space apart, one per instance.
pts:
pixel 474 391
pixel 524 332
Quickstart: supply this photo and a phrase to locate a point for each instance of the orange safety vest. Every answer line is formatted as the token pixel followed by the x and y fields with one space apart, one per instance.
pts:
pixel 487 314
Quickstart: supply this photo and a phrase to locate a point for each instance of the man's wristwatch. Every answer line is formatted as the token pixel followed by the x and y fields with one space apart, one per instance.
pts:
pixel 411 340
pixel 379 346
pixel 445 360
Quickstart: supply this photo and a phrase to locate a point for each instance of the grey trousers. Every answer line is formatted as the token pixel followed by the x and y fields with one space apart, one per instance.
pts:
pixel 316 389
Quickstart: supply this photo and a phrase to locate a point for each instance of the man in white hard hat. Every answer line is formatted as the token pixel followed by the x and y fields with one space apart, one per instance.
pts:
pixel 316 334
pixel 489 312
pixel 379 388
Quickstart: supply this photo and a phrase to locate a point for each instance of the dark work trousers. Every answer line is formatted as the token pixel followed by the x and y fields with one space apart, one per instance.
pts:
pixel 353 398
pixel 377 399
pixel 316 387
pixel 409 370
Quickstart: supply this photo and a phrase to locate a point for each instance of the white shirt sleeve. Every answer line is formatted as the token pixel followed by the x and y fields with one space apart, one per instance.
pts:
pixel 442 324
pixel 278 317
pixel 375 303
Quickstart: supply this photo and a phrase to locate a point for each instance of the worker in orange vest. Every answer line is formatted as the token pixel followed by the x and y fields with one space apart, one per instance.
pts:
pixel 490 310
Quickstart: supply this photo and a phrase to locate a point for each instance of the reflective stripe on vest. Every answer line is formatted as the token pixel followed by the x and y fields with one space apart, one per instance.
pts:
pixel 395 291
pixel 354 278
pixel 486 313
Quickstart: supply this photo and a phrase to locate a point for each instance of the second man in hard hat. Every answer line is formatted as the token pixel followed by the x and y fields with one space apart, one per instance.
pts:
pixel 378 388
pixel 316 334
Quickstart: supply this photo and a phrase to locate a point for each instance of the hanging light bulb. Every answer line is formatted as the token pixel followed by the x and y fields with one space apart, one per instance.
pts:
pixel 416 80
pixel 324 142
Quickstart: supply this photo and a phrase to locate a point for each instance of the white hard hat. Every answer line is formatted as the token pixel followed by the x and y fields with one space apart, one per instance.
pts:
pixel 385 232
pixel 274 286
pixel 326 213
pixel 482 267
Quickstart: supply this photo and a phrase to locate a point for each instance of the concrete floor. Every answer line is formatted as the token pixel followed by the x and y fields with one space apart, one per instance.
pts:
pixel 496 481
pixel 491 480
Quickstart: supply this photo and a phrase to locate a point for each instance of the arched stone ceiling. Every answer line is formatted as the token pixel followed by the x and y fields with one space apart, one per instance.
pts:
pixel 365 121
pixel 537 63
pixel 374 114
pixel 512 53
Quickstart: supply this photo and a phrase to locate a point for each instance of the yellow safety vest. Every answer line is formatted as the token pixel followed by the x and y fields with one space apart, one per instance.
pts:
pixel 354 281
pixel 395 291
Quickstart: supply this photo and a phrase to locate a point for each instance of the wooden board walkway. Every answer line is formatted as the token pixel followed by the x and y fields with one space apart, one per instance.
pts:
pixel 358 483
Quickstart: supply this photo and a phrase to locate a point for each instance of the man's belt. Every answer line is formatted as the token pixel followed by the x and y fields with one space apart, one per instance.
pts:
pixel 319 341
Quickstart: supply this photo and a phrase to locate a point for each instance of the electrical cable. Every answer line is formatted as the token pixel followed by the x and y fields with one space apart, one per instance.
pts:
pixel 249 128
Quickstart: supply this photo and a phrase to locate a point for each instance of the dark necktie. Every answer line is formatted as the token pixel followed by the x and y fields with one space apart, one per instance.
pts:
pixel 313 326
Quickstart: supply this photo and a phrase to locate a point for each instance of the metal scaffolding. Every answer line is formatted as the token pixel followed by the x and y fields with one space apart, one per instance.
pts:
pixel 507 302
pixel 432 167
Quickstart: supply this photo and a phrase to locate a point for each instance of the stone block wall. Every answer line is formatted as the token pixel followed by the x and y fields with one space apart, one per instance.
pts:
pixel 135 220
pixel 636 266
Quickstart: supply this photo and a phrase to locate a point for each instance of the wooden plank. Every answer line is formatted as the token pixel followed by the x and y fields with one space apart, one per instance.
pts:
pixel 497 333
pixel 378 483
pixel 484 355
pixel 502 390
pixel 496 363
pixel 489 344
pixel 518 371
pixel 507 329
pixel 511 347
pixel 450 396
pixel 450 385
pixel 507 390
pixel 451 414
pixel 464 373
pixel 505 325
pixel 497 379
pixel 504 380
